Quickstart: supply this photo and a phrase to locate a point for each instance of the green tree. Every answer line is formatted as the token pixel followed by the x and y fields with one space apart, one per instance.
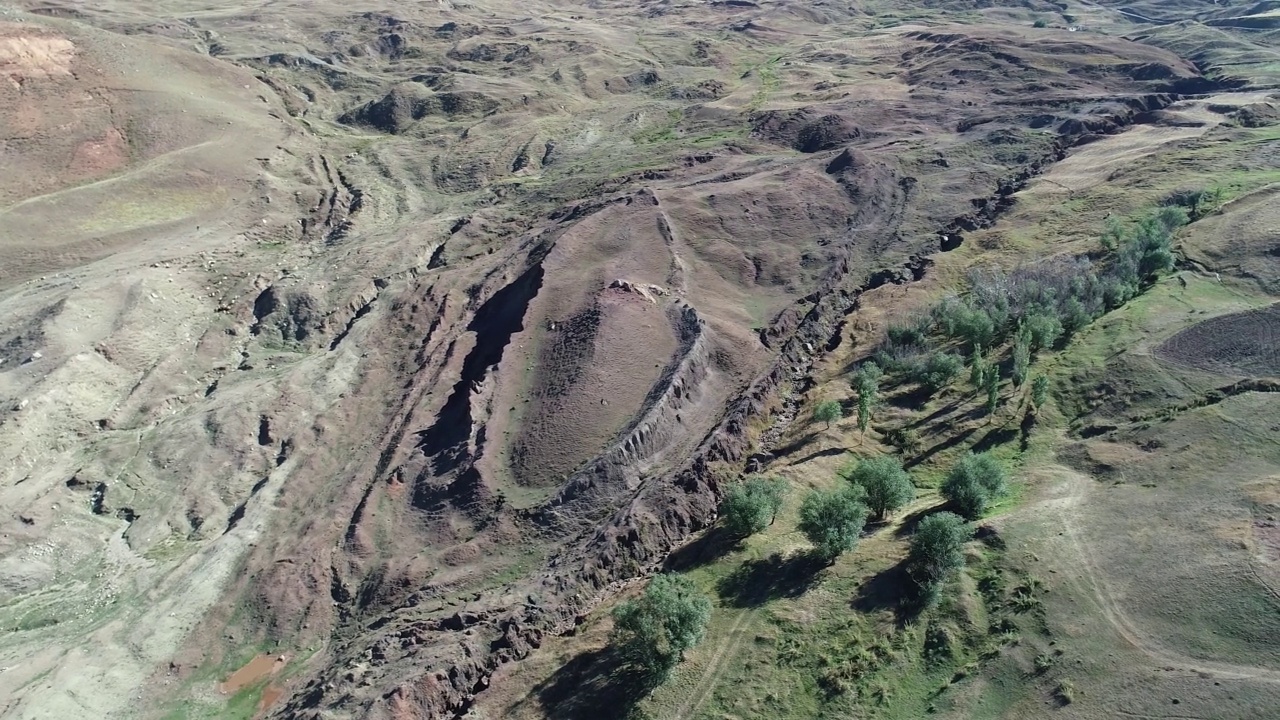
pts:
pixel 938 370
pixel 1039 391
pixel 828 412
pixel 887 486
pixel 1021 357
pixel 937 549
pixel 1075 316
pixel 978 368
pixel 1043 330
pixel 974 482
pixel 653 632
pixel 752 506
pixel 991 384
pixel 867 383
pixel 832 521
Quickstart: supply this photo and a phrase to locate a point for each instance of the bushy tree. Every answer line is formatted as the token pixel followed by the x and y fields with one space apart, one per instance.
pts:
pixel 833 520
pixel 1043 329
pixel 886 485
pixel 938 370
pixel 752 506
pixel 974 482
pixel 937 549
pixel 1075 316
pixel 963 321
pixel 828 412
pixel 867 384
pixel 653 632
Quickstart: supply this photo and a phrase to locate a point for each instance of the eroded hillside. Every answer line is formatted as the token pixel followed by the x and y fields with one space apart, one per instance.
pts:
pixel 392 339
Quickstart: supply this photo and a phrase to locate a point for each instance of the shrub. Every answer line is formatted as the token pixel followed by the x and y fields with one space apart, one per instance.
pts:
pixel 653 632
pixel 974 482
pixel 752 506
pixel 828 412
pixel 912 334
pixel 1065 692
pixel 832 521
pixel 887 486
pixel 963 321
pixel 938 370
pixel 937 549
pixel 1040 23
pixel 904 438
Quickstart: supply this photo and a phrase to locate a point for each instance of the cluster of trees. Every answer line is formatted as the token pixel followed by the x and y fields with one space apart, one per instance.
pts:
pixel 653 631
pixel 1035 306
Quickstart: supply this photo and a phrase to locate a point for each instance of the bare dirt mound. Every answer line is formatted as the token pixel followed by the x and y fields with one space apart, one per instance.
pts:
pixel 1245 344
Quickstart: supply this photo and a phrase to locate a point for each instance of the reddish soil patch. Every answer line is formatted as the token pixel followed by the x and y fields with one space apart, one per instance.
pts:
pixel 100 155
pixel 261 666
pixel 269 697
pixel 1245 343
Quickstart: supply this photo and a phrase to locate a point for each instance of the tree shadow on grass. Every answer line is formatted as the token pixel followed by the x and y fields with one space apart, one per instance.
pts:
pixel 950 442
pixel 909 522
pixel 915 398
pixel 891 589
pixel 707 548
pixel 756 582
pixel 593 685
pixel 940 412
pixel 995 438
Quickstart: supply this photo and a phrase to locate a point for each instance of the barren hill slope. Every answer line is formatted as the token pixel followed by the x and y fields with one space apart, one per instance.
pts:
pixel 392 338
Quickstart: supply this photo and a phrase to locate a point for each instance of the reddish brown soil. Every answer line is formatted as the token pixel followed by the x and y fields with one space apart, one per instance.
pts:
pixel 260 667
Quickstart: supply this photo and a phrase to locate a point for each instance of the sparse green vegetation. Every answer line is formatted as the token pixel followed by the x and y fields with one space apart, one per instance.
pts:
pixel 886 486
pixel 1065 692
pixel 653 632
pixel 752 506
pixel 833 520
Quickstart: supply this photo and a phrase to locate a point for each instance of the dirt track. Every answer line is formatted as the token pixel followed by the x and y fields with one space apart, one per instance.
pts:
pixel 1070 492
